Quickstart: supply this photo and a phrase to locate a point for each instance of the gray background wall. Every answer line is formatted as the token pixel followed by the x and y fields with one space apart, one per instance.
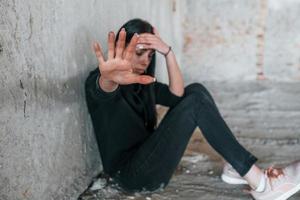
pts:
pixel 47 147
pixel 234 40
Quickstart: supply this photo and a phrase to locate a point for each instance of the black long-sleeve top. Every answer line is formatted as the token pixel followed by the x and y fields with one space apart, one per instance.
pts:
pixel 118 127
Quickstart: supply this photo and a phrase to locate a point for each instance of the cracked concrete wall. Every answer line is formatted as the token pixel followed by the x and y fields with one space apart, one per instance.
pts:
pixel 47 146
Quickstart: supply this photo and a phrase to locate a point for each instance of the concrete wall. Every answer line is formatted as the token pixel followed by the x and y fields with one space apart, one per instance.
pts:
pixel 235 40
pixel 47 147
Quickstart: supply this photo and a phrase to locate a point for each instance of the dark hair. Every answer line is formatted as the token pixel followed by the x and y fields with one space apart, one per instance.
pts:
pixel 148 96
pixel 138 26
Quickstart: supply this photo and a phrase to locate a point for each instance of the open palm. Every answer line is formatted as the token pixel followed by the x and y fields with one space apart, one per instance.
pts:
pixel 118 66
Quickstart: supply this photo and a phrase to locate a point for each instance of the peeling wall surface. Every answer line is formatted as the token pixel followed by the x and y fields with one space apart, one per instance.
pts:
pixel 237 40
pixel 47 146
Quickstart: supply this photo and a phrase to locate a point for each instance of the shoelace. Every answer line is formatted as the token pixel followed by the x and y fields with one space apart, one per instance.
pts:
pixel 272 174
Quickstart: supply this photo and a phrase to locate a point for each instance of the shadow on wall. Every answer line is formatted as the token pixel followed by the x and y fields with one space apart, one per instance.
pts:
pixel 71 91
pixel 60 149
pixel 83 56
pixel 68 94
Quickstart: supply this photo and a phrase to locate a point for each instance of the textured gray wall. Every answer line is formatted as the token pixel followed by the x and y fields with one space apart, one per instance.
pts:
pixel 47 147
pixel 229 40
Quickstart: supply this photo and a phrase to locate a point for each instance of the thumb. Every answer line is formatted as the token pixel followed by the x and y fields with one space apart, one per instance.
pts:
pixel 144 79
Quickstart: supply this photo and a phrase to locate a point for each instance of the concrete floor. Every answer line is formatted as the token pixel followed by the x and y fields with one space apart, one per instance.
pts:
pixel 198 176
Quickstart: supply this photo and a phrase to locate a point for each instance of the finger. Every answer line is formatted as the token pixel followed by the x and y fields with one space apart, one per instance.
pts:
pixel 98 52
pixel 121 43
pixel 155 31
pixel 130 78
pixel 142 35
pixel 111 45
pixel 150 36
pixel 131 47
pixel 144 79
pixel 148 39
pixel 145 40
pixel 147 46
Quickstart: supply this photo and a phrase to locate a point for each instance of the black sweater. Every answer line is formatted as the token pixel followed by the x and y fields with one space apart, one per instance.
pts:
pixel 118 127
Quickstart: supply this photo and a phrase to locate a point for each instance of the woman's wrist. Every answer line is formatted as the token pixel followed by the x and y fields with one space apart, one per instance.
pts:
pixel 107 85
pixel 168 51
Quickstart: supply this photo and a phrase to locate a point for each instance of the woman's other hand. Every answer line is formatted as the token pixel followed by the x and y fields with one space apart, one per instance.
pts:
pixel 117 69
pixel 150 41
pixel 153 41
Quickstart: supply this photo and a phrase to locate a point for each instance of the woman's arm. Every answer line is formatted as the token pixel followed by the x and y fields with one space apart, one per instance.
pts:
pixel 176 83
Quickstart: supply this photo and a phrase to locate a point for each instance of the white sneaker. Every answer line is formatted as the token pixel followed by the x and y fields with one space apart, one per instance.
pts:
pixel 280 183
pixel 231 176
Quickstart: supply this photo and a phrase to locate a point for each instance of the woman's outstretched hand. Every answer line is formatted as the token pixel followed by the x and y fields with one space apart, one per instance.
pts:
pixel 117 69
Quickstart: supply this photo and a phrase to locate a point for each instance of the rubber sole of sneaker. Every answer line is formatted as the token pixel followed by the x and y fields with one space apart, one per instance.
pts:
pixel 290 193
pixel 233 181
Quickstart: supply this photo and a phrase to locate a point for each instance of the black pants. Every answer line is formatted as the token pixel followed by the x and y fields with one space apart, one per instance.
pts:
pixel 154 163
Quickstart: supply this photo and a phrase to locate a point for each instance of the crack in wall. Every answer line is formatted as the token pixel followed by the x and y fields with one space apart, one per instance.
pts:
pixel 25 99
pixel 16 24
pixel 24 108
pixel 30 25
pixel 21 85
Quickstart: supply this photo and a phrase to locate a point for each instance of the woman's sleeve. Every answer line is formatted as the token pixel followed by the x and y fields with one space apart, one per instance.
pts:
pixel 164 96
pixel 94 93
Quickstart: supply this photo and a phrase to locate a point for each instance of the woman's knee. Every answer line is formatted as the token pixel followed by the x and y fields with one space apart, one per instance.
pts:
pixel 195 88
pixel 199 90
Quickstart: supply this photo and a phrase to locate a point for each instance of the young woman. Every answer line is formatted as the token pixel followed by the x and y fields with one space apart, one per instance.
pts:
pixel 121 95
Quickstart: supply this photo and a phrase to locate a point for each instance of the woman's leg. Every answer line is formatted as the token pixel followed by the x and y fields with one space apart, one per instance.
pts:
pixel 155 161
